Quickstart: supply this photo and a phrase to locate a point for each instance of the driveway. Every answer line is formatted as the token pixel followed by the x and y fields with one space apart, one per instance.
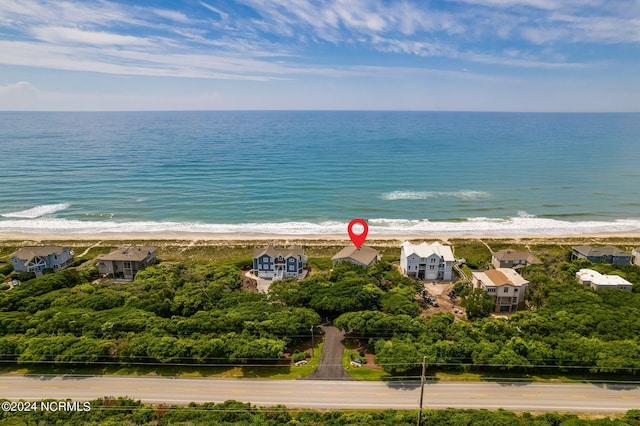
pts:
pixel 330 367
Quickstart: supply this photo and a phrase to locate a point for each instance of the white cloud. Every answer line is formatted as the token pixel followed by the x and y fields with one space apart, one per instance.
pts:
pixel 18 96
pixel 330 19
pixel 602 29
pixel 21 86
pixel 536 4
pixel 65 12
pixel 172 15
pixel 215 10
pixel 66 35
pixel 129 62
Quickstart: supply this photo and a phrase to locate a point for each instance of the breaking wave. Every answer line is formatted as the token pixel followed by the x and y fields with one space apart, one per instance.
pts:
pixel 38 211
pixel 425 195
pixel 521 225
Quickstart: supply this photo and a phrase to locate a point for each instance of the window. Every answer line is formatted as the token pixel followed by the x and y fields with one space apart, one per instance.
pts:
pixel 491 290
pixel 506 290
pixel 433 260
pixel 432 267
pixel 515 300
pixel 515 290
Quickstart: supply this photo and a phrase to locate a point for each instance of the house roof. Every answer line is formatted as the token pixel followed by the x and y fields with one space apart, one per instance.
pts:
pixel 295 251
pixel 600 251
pixel 131 253
pixel 501 276
pixel 365 254
pixel 510 255
pixel 426 250
pixel 26 254
pixel 599 279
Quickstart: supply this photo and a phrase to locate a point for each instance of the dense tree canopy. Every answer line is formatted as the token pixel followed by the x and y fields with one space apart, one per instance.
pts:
pixel 172 312
pixel 195 312
pixel 124 411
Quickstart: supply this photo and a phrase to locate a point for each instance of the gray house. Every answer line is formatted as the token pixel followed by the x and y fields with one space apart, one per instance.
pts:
pixel 606 254
pixel 125 263
pixel 37 259
pixel 275 263
pixel 513 259
pixel 363 256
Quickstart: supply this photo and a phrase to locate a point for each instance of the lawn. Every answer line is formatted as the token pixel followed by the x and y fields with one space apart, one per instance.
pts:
pixel 364 373
pixel 276 372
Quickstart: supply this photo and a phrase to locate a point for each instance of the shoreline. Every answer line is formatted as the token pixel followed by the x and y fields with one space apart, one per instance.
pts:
pixel 198 236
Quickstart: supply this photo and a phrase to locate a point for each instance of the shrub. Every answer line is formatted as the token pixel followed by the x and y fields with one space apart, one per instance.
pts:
pixel 299 356
pixel 25 276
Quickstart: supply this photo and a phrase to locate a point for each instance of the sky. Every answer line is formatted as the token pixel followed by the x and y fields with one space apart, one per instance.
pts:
pixel 454 55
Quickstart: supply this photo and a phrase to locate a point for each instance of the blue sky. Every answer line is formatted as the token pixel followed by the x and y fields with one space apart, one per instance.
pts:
pixel 491 55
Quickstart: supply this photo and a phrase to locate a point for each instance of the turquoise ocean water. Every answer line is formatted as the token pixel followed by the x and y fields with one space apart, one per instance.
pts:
pixel 311 172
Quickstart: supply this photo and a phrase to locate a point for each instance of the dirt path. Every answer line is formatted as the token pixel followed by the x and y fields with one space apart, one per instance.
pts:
pixel 487 246
pixel 87 250
pixel 330 367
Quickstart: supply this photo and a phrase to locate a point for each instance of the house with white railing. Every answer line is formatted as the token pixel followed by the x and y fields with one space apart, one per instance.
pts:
pixel 426 261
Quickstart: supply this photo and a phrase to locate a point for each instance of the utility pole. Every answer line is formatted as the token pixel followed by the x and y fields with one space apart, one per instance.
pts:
pixel 311 341
pixel 424 366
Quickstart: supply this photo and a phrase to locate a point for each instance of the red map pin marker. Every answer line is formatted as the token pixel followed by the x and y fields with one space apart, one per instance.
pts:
pixel 358 239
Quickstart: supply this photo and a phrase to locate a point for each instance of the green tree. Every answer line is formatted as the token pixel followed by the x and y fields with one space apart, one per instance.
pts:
pixel 477 303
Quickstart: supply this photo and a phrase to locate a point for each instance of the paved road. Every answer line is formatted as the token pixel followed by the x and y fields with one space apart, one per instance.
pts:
pixel 330 366
pixel 330 394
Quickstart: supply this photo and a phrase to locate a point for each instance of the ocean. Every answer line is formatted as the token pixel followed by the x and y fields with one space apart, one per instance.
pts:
pixel 311 172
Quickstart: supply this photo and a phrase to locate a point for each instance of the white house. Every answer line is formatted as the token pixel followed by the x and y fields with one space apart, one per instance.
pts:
pixel 37 259
pixel 426 261
pixel 363 256
pixel 598 281
pixel 636 256
pixel 505 286
pixel 275 263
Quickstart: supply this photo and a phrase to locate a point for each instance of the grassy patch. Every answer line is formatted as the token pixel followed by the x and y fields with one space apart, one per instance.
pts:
pixel 275 372
pixel 363 373
pixel 475 252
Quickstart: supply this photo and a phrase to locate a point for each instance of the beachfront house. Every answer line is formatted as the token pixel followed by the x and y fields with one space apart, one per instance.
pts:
pixel 37 259
pixel 363 256
pixel 505 286
pixel 513 259
pixel 636 256
pixel 426 261
pixel 598 281
pixel 275 263
pixel 124 263
pixel 607 254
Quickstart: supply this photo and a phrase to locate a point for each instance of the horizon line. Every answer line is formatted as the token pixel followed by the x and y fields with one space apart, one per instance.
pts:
pixel 316 110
